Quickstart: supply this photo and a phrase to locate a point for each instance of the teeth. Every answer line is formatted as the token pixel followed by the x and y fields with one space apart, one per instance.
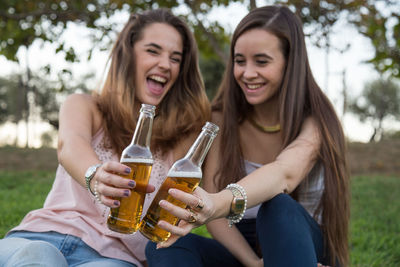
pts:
pixel 158 78
pixel 253 86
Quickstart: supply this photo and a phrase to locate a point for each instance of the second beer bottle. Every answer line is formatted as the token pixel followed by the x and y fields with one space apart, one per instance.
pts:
pixel 126 218
pixel 185 174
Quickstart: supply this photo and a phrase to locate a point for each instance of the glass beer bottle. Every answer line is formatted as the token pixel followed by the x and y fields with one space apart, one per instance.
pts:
pixel 126 218
pixel 185 174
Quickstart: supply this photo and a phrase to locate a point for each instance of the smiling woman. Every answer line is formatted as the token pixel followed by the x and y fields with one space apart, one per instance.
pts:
pixel 154 61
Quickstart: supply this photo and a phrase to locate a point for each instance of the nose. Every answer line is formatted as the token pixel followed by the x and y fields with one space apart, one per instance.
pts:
pixel 164 62
pixel 250 71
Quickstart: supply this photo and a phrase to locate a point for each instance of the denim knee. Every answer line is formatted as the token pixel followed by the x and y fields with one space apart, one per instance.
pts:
pixel 38 253
pixel 281 207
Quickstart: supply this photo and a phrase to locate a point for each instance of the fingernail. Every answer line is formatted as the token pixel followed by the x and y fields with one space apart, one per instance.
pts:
pixel 116 203
pixel 126 193
pixel 128 170
pixel 171 191
pixel 132 184
pixel 161 203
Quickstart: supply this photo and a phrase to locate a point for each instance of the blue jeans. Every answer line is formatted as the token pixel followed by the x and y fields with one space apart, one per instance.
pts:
pixel 284 233
pixel 51 249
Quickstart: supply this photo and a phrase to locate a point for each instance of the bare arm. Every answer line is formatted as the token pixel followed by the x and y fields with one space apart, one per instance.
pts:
pixel 79 121
pixel 282 175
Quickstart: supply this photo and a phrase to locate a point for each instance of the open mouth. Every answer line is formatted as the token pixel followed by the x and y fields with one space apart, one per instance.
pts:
pixel 156 84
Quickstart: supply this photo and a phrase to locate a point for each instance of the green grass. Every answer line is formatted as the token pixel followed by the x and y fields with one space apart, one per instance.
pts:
pixel 20 192
pixel 375 219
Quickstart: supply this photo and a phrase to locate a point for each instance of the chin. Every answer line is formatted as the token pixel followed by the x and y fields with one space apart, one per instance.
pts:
pixel 155 101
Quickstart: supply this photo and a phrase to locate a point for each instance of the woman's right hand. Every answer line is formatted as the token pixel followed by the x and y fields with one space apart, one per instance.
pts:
pixel 108 183
pixel 202 209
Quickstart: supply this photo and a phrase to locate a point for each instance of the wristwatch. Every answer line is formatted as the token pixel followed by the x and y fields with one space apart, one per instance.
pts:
pixel 91 171
pixel 238 204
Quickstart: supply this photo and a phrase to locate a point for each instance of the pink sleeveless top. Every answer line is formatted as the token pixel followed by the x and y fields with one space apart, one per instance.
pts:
pixel 70 209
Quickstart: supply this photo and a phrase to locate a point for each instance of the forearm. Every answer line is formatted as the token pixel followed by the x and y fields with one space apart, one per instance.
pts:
pixel 233 240
pixel 76 155
pixel 258 189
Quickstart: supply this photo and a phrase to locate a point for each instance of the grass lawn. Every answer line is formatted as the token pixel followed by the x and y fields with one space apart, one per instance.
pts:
pixel 375 220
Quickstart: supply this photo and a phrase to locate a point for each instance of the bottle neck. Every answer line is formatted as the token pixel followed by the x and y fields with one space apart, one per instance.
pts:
pixel 142 135
pixel 200 147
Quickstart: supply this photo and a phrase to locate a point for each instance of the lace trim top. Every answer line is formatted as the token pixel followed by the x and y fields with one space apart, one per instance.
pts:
pixel 70 209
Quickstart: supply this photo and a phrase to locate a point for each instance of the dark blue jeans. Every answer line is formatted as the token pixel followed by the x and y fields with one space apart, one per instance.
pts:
pixel 284 233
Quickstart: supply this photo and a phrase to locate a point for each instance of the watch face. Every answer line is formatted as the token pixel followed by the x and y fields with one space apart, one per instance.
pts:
pixel 238 205
pixel 90 171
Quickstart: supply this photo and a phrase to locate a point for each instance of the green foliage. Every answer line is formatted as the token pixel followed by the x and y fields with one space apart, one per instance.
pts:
pixel 212 70
pixel 380 22
pixel 379 100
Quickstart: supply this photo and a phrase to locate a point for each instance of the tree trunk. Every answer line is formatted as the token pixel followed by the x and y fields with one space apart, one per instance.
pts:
pixel 372 139
pixel 253 4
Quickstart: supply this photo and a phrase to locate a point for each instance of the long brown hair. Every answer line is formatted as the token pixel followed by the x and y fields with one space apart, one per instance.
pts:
pixel 184 109
pixel 299 97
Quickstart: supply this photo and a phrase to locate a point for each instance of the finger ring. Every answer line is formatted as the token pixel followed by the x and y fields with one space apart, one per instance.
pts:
pixel 192 217
pixel 200 204
pixel 96 193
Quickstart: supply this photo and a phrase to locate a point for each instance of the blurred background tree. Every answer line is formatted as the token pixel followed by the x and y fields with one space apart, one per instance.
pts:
pixel 379 101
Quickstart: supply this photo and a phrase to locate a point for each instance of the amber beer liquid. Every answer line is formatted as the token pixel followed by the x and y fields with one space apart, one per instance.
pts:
pixel 185 174
pixel 126 218
pixel 184 181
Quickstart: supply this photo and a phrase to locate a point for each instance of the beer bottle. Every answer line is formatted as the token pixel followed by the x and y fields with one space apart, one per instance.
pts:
pixel 126 218
pixel 185 174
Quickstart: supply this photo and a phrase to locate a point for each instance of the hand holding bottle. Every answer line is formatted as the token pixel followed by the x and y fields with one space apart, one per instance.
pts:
pixel 109 185
pixel 185 174
pixel 126 217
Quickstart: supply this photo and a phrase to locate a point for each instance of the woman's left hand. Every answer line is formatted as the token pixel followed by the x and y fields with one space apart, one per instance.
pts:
pixel 200 210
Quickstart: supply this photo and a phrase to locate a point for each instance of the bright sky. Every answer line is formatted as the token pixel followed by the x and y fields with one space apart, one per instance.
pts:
pixel 357 73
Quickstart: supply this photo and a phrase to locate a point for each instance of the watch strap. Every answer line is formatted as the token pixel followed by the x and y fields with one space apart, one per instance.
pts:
pixel 237 192
pixel 91 171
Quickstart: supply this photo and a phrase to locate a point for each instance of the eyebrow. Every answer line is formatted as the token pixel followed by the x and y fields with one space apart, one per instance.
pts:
pixel 159 47
pixel 263 55
pixel 256 55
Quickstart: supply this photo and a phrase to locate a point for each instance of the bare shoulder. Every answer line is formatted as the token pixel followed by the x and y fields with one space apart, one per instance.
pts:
pixel 80 99
pixel 81 108
pixel 309 134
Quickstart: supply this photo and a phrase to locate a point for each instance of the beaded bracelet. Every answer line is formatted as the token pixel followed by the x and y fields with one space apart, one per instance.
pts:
pixel 238 192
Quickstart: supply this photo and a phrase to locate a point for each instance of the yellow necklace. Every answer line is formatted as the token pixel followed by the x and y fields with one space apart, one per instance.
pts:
pixel 265 129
